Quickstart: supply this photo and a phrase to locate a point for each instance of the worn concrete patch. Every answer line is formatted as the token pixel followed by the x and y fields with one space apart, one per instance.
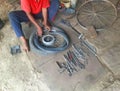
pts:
pixel 105 40
pixel 32 72
pixel 114 87
pixel 16 71
pixel 107 37
pixel 103 83
pixel 112 58
pixel 81 80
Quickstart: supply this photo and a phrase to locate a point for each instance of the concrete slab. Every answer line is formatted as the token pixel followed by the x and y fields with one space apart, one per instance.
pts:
pixel 107 37
pixel 34 72
pixel 16 71
pixel 105 40
pixel 62 82
pixel 114 87
pixel 111 58
pixel 81 80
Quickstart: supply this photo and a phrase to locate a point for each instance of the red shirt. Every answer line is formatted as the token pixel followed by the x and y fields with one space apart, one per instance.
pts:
pixel 34 6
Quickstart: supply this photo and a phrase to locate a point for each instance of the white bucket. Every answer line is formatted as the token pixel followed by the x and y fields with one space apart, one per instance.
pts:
pixel 73 3
pixel 67 3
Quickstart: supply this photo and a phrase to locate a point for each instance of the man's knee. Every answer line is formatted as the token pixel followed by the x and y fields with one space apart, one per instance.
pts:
pixel 11 14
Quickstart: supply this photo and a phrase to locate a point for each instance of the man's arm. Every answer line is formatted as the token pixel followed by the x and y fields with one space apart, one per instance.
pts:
pixel 45 18
pixel 39 29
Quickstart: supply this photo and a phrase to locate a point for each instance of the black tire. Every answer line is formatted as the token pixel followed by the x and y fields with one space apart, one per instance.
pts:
pixel 38 48
pixel 33 48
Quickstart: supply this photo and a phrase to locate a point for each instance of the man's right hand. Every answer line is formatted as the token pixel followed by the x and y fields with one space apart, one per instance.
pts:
pixel 39 31
pixel 31 18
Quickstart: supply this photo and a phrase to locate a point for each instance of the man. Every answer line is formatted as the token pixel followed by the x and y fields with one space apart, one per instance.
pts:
pixel 32 10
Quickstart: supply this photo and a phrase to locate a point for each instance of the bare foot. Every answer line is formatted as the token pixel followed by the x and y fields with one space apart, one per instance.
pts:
pixel 25 46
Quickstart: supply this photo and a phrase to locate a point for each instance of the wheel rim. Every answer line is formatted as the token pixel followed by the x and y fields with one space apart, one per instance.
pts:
pixel 59 45
pixel 99 13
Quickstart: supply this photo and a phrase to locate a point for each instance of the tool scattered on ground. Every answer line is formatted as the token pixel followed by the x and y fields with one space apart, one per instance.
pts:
pixel 75 60
pixel 80 54
pixel 71 63
pixel 91 48
pixel 15 49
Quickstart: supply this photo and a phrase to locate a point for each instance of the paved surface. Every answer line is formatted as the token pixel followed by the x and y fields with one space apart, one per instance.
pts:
pixel 63 82
pixel 36 72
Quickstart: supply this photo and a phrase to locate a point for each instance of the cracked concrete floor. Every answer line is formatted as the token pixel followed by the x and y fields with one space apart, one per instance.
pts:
pixel 33 72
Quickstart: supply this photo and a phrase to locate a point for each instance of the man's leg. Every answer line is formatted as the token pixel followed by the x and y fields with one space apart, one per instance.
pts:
pixel 16 18
pixel 52 10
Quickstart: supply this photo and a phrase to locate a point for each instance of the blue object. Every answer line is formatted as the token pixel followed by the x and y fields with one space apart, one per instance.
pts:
pixel 15 49
pixel 69 11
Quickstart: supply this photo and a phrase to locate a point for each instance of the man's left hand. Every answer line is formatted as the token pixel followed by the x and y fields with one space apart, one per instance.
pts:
pixel 47 27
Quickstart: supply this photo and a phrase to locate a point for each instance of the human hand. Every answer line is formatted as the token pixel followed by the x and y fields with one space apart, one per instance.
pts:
pixel 47 27
pixel 39 31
